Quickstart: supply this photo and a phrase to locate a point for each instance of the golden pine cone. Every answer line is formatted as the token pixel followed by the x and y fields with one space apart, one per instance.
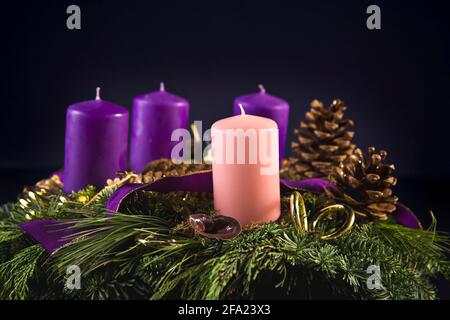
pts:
pixel 365 183
pixel 323 142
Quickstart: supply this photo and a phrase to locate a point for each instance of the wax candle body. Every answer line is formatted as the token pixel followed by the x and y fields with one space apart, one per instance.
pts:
pixel 96 143
pixel 154 117
pixel 249 191
pixel 268 106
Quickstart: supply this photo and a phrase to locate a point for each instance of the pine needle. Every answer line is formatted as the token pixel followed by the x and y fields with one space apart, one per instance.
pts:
pixel 16 273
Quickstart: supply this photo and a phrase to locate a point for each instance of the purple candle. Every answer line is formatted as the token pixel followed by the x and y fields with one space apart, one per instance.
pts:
pixel 96 143
pixel 155 116
pixel 265 105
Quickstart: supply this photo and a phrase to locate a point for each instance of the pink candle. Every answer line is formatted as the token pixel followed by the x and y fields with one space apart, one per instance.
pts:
pixel 245 168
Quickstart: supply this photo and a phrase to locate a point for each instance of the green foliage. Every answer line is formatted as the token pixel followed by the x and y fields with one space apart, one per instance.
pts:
pixel 89 192
pixel 5 211
pixel 197 268
pixel 10 215
pixel 149 252
pixel 16 273
pixel 12 238
pixel 107 285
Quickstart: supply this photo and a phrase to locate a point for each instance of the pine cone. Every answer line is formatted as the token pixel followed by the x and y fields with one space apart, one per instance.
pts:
pixel 166 168
pixel 365 184
pixel 323 141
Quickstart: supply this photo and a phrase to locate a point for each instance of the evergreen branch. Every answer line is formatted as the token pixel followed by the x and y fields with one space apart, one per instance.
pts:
pixel 16 273
pixel 151 253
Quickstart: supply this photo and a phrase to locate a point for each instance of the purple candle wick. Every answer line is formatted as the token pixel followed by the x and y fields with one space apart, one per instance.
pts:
pixel 261 88
pixel 161 86
pixel 97 94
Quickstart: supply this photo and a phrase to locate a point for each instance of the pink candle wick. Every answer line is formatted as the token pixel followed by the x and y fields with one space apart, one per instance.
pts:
pixel 242 109
pixel 261 88
pixel 161 86
pixel 97 93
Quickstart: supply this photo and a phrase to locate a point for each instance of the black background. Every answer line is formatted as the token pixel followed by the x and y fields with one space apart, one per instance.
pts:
pixel 395 80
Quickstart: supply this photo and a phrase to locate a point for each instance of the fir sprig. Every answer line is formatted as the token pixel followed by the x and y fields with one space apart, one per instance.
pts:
pixel 16 273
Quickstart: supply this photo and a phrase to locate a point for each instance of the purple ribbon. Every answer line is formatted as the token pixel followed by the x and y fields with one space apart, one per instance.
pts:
pixel 51 234
pixel 202 182
pixel 46 233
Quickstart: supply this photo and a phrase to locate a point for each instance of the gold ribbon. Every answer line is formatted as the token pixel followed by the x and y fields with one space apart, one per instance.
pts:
pixel 300 219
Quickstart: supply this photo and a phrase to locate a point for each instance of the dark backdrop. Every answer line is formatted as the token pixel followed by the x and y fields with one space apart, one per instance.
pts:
pixel 395 80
